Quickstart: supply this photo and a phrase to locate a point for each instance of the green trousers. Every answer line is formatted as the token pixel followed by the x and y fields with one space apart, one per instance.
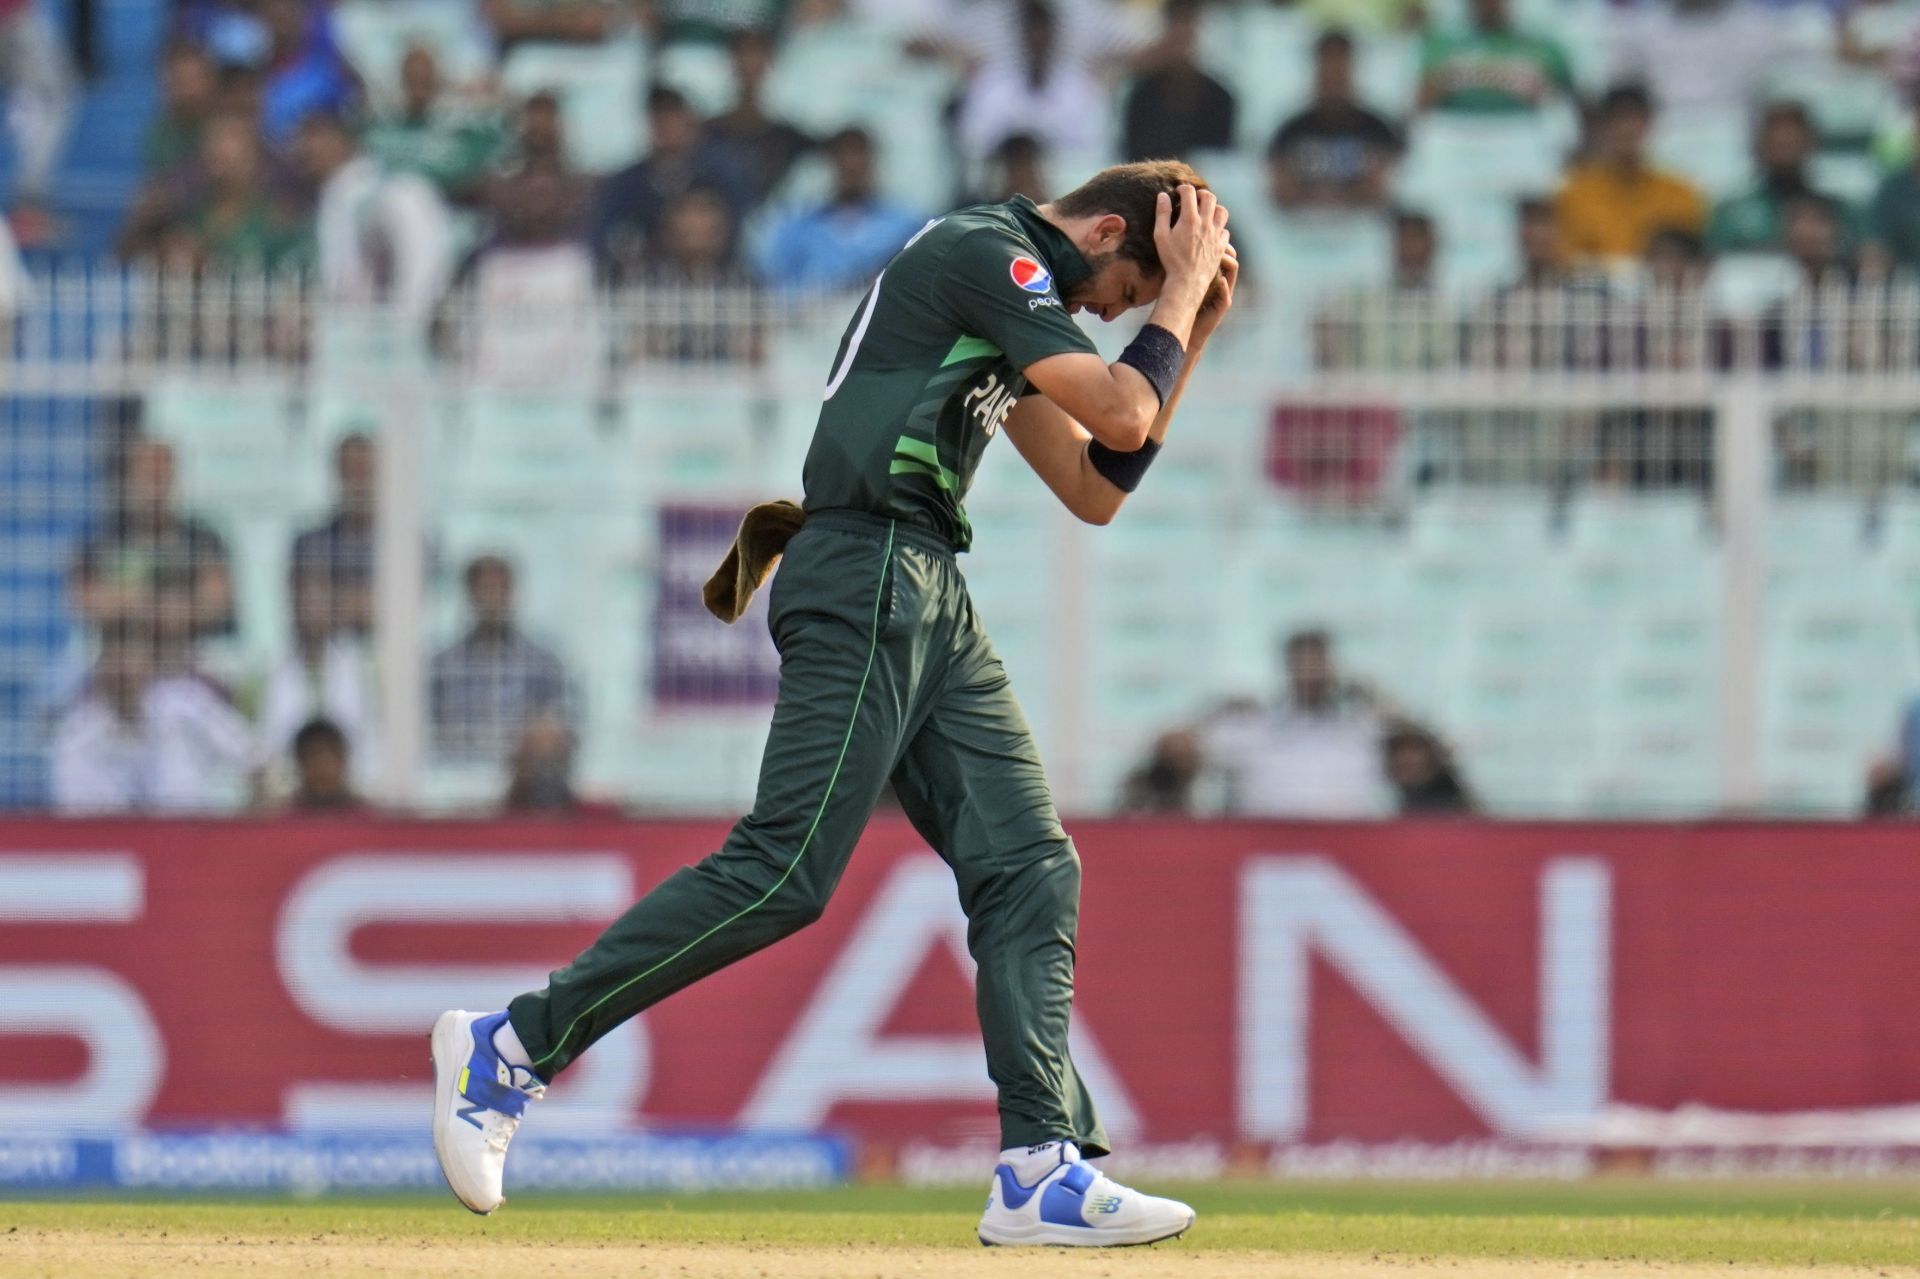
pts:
pixel 885 673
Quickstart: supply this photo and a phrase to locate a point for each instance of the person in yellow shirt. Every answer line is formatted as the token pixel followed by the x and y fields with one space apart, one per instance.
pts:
pixel 1613 203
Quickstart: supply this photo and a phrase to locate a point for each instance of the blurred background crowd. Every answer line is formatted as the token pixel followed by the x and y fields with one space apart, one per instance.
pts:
pixel 390 142
pixel 1406 179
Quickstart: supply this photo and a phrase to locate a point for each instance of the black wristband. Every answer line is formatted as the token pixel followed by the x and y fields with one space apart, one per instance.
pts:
pixel 1123 470
pixel 1159 357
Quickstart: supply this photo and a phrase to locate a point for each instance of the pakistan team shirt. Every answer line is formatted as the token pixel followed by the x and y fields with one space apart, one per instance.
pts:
pixel 933 360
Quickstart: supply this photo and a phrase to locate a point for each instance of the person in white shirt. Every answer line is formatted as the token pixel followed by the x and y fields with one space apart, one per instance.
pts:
pixel 140 740
pixel 329 674
pixel 1315 753
pixel 1699 57
pixel 1040 88
pixel 383 235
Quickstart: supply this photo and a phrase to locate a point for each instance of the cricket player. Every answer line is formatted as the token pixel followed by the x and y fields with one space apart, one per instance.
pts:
pixel 887 675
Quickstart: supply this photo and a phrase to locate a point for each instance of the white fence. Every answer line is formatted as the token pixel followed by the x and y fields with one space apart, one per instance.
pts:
pixel 1628 552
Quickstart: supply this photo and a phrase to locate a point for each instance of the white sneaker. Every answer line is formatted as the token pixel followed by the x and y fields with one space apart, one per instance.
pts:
pixel 477 1103
pixel 1076 1205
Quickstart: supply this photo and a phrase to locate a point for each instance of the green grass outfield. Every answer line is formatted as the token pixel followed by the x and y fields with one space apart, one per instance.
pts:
pixel 1768 1223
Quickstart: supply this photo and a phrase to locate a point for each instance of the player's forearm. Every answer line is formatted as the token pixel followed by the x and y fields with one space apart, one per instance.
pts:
pixel 1158 431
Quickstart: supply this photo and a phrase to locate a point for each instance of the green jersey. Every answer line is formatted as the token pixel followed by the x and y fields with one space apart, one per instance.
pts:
pixel 933 360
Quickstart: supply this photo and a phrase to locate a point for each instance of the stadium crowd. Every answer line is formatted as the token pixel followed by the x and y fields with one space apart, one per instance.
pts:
pixel 273 149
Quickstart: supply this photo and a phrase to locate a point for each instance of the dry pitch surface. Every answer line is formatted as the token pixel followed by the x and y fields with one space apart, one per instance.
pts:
pixel 1486 1231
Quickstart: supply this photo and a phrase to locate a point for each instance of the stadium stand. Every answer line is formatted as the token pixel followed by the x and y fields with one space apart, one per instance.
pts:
pixel 1627 545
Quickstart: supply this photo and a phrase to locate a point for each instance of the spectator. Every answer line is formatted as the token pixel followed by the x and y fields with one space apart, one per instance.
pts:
pixel 381 235
pixel 766 147
pixel 143 738
pixel 1888 794
pixel 323 762
pixel 1611 206
pixel 1315 753
pixel 340 551
pixel 454 148
pixel 1422 773
pixel 1491 68
pixel 1177 108
pixel 1018 166
pixel 1334 153
pixel 540 199
pixel 1042 89
pixel 542 768
pixel 1783 147
pixel 484 688
pixel 1542 245
pixel 1815 241
pixel 1893 219
pixel 1094 35
pixel 695 252
pixel 846 240
pixel 189 95
pixel 223 214
pixel 1165 782
pixel 37 84
pixel 329 675
pixel 305 71
pixel 1676 262
pixel 567 21
pixel 152 567
pixel 1700 58
pixel 1416 249
pixel 632 201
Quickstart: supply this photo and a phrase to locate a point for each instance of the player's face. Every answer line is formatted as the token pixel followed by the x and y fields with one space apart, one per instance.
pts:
pixel 1116 286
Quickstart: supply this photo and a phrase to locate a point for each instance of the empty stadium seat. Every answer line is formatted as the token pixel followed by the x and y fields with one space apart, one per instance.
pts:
pixel 528 451
pixel 601 88
pixel 232 440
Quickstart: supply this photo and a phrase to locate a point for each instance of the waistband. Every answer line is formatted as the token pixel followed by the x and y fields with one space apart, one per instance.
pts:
pixel 848 520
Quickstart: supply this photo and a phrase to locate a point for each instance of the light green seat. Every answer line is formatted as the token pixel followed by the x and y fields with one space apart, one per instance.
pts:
pixel 1501 157
pixel 528 450
pixel 1714 150
pixel 601 88
pixel 701 441
pixel 1743 285
pixel 1807 534
pixel 375 36
pixel 233 443
pixel 703 73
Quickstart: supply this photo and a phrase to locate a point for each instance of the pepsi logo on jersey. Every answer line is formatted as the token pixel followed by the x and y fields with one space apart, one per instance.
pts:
pixel 1030 275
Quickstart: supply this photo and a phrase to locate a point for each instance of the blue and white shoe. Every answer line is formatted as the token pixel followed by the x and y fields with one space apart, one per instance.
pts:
pixel 1075 1205
pixel 477 1103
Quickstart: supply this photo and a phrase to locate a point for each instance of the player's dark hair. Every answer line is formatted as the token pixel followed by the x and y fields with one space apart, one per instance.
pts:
pixel 1131 190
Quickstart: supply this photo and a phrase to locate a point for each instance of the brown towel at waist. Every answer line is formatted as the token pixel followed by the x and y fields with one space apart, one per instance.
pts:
pixel 764 534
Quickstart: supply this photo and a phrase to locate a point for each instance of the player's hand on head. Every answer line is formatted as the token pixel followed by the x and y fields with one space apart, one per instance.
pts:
pixel 1219 298
pixel 1193 244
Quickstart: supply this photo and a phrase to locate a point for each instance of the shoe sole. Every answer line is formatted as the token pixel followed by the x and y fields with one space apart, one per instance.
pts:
pixel 448 1057
pixel 1047 1235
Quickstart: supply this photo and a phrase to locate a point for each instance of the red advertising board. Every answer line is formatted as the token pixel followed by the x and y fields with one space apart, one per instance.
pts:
pixel 1258 986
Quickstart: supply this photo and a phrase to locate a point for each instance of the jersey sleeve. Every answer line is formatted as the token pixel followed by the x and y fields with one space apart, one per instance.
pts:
pixel 999 290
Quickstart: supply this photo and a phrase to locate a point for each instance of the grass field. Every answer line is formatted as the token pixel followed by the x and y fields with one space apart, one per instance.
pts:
pixel 1677 1230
